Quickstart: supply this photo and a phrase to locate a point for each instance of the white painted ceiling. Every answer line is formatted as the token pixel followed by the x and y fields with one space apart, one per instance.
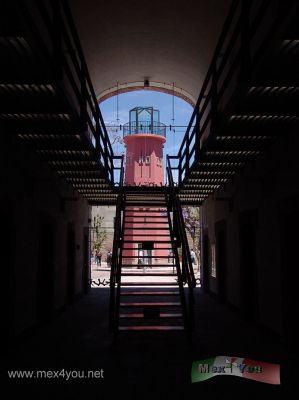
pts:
pixel 162 40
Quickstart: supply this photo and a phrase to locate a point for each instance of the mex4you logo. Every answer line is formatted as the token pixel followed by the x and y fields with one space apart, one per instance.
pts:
pixel 235 366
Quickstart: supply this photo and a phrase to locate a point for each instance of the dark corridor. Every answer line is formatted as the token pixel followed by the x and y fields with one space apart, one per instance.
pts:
pixel 237 63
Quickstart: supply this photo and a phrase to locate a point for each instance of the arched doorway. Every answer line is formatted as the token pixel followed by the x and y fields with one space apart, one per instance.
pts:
pixel 162 87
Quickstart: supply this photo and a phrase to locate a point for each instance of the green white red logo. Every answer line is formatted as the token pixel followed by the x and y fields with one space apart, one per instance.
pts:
pixel 235 366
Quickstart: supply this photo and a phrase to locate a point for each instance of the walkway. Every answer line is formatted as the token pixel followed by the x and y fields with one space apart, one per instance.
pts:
pixel 79 340
pixel 100 274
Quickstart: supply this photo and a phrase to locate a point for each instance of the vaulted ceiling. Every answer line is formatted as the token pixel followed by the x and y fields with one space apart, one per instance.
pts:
pixel 166 41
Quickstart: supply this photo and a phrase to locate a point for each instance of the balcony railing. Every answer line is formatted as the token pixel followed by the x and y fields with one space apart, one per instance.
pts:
pixel 244 38
pixel 52 27
pixel 133 128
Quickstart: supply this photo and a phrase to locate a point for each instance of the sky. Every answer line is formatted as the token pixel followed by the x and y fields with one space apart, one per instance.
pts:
pixel 144 98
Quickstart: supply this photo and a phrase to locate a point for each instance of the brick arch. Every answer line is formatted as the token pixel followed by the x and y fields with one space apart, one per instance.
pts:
pixel 153 86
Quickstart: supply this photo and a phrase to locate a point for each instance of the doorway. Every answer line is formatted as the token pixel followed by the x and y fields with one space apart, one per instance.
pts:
pixel 45 279
pixel 249 293
pixel 71 263
pixel 147 249
pixel 221 270
pixel 206 262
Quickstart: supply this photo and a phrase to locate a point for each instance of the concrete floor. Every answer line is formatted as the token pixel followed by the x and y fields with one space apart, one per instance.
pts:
pixel 144 363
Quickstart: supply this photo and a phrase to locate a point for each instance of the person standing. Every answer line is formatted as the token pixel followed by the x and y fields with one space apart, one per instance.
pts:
pixel 96 256
pixel 109 258
pixel 140 258
pixel 100 258
pixel 193 256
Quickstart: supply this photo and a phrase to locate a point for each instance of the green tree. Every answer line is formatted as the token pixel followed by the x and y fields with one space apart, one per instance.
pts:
pixel 192 224
pixel 99 233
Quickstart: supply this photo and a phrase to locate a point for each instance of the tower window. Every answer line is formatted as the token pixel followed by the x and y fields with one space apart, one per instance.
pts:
pixel 159 161
pixel 147 160
pixel 141 160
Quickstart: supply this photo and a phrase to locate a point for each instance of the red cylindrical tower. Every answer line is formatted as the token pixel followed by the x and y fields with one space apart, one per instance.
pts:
pixel 144 137
pixel 144 159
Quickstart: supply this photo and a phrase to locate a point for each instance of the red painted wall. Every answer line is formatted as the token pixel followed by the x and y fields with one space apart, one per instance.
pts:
pixel 144 145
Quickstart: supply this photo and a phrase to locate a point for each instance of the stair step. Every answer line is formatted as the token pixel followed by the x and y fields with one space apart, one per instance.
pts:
pixel 125 268
pixel 145 189
pixel 142 193
pixel 155 248
pixel 158 195
pixel 151 328
pixel 143 283
pixel 138 235
pixel 138 241
pixel 147 256
pixel 151 304
pixel 145 211
pixel 142 204
pixel 166 228
pixel 143 197
pixel 145 202
pixel 141 316
pixel 148 265
pixel 141 293
pixel 146 199
pixel 146 274
pixel 148 216
pixel 145 222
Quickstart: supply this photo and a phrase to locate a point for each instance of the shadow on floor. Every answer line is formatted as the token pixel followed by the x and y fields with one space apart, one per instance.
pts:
pixel 147 363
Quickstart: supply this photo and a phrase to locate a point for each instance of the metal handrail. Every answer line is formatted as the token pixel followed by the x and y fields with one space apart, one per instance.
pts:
pixel 181 225
pixel 187 266
pixel 115 262
pixel 180 273
pixel 133 128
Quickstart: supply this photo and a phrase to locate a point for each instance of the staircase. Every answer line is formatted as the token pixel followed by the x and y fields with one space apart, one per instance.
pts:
pixel 47 98
pixel 249 98
pixel 149 296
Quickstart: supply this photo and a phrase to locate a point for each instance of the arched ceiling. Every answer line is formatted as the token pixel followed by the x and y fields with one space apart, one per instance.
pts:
pixel 166 41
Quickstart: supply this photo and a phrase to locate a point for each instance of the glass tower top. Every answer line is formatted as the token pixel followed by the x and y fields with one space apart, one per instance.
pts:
pixel 144 120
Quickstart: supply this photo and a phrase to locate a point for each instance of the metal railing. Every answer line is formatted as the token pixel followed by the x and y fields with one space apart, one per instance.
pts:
pixel 116 261
pixel 133 128
pixel 243 40
pixel 52 29
pixel 185 273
